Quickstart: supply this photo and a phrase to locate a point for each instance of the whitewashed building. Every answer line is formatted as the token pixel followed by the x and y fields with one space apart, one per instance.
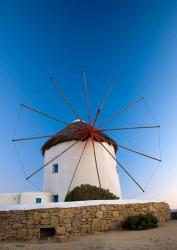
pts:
pixel 25 198
pixel 59 173
pixel 64 173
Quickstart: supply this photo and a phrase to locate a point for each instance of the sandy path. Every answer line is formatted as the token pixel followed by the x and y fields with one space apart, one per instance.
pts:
pixel 162 238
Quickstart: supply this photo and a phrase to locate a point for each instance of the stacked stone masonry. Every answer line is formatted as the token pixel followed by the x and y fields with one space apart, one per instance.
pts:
pixel 74 221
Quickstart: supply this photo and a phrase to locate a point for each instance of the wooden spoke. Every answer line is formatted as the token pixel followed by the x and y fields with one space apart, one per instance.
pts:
pixel 129 128
pixel 121 166
pixel 47 115
pixel 31 138
pixel 120 112
pixel 77 165
pixel 133 151
pixel 87 99
pixel 45 136
pixel 96 117
pixel 66 99
pixel 96 164
pixel 45 165
pixel 130 176
pixel 139 153
pixel 104 101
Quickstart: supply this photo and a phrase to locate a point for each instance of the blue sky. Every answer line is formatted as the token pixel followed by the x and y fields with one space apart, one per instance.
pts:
pixel 132 40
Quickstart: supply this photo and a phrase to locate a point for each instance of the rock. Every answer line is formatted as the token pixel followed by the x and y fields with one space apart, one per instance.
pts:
pixel 53 221
pixel 44 215
pixel 95 227
pixel 60 230
pixel 36 216
pixel 99 214
pixel 115 214
pixel 44 221
pixel 103 208
pixel 16 226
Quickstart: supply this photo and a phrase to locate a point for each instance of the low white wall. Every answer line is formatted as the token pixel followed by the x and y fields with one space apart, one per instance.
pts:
pixel 30 198
pixel 73 204
pixel 9 198
pixel 24 198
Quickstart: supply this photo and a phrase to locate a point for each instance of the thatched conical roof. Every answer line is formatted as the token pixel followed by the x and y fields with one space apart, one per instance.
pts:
pixel 75 131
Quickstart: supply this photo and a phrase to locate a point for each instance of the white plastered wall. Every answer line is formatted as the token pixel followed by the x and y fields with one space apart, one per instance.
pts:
pixel 58 183
pixel 9 198
pixel 30 197
pixel 24 198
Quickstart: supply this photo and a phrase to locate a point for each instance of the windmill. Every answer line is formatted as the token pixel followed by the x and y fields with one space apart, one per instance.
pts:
pixel 82 151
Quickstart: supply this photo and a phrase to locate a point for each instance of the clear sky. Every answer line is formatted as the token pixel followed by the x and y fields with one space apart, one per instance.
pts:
pixel 133 40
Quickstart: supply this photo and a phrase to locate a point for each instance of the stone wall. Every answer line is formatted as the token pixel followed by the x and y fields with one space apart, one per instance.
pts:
pixel 73 221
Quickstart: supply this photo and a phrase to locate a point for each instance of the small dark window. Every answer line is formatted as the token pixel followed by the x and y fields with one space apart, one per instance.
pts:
pixel 55 198
pixel 38 200
pixel 55 168
pixel 47 232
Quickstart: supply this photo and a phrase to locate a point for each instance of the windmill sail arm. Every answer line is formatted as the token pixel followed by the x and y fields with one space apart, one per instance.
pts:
pixel 139 153
pixel 121 166
pixel 42 136
pixel 104 101
pixel 136 152
pixel 87 99
pixel 120 112
pixel 77 165
pixel 47 115
pixel 46 164
pixel 96 163
pixel 66 100
pixel 129 128
pixel 30 138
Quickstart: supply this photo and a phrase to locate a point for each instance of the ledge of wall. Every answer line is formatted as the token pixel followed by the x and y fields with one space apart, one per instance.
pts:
pixel 74 221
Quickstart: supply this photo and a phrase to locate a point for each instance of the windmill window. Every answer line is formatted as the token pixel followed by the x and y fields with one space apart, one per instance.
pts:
pixel 55 198
pixel 38 200
pixel 55 168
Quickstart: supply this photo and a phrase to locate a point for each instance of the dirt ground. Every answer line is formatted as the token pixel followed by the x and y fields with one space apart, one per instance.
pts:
pixel 162 238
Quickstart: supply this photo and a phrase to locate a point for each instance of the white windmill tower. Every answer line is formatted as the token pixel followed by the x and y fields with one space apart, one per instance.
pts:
pixel 78 164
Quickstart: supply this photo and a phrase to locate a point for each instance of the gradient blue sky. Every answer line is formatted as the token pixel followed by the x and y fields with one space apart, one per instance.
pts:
pixel 133 40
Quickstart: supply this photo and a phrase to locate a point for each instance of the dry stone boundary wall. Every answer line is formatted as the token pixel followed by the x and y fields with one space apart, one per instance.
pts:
pixel 73 221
